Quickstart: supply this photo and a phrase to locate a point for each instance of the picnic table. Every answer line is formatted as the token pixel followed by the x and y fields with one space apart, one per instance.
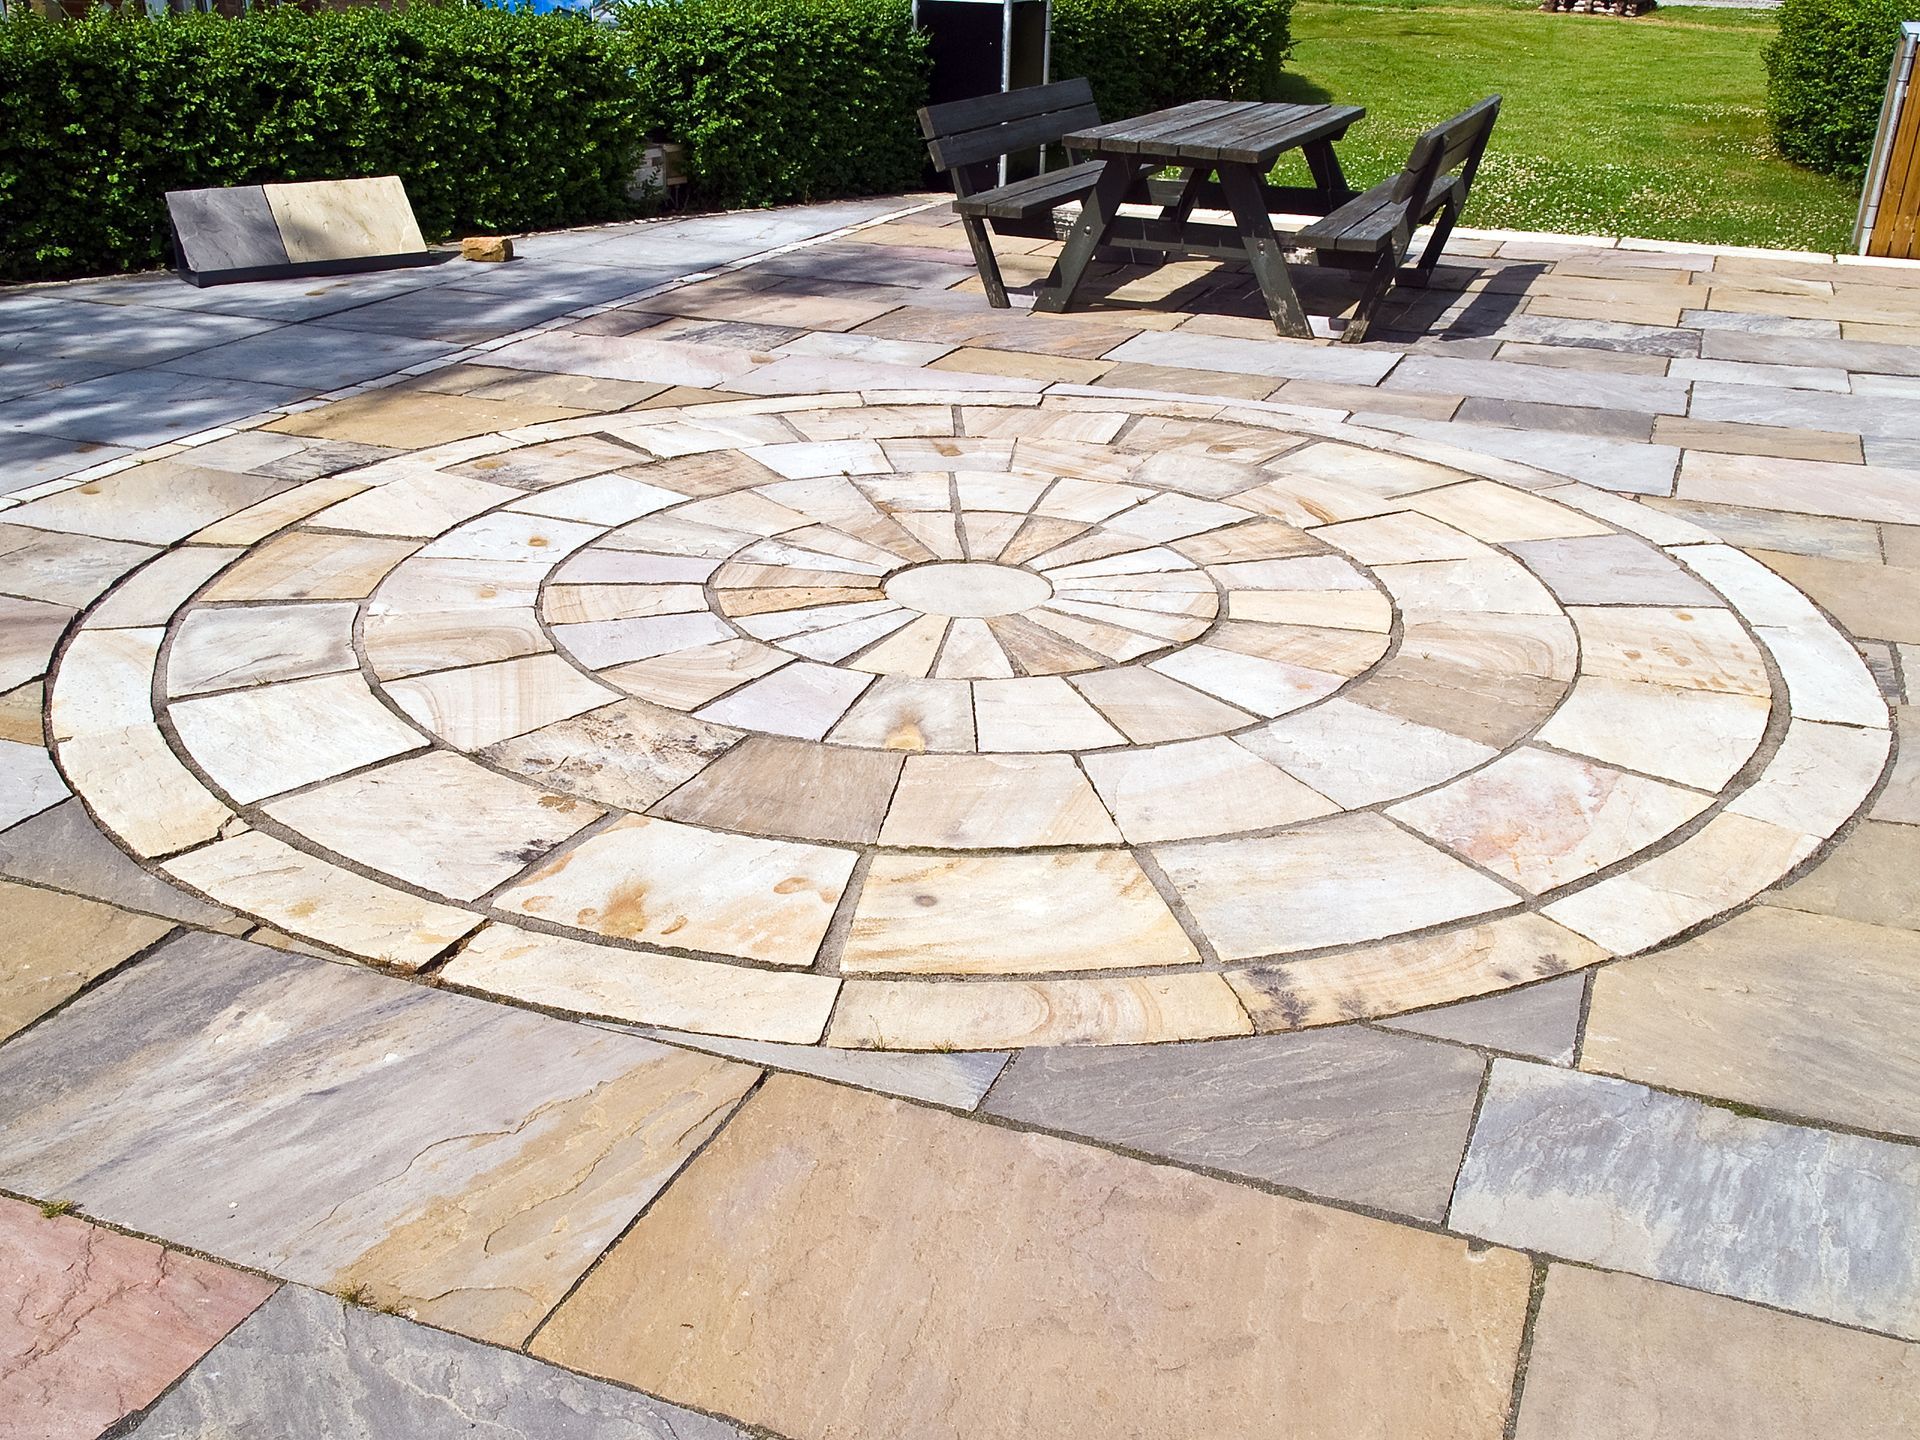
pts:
pixel 1224 150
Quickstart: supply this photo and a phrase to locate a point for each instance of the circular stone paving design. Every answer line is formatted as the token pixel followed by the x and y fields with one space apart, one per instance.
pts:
pixel 972 723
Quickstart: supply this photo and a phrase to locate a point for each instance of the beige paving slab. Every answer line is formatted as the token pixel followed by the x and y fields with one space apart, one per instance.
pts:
pixel 967 802
pixel 1333 881
pixel 1051 1313
pixel 1700 738
pixel 795 789
pixel 1037 713
pixel 910 714
pixel 1868 876
pixel 154 504
pixel 62 569
pixel 1011 914
pixel 260 875
pixel 1615 1356
pixel 56 944
pixel 310 565
pixel 645 986
pixel 662 883
pixel 1701 649
pixel 344 219
pixel 414 506
pixel 1878 602
pixel 438 820
pixel 1199 788
pixel 271 738
pixel 627 754
pixel 1800 1013
pixel 162 586
pixel 1543 820
pixel 29 629
pixel 801 699
pixel 687 679
pixel 1813 487
pixel 140 791
pixel 407 419
pixel 1356 755
pixel 481 704
pixel 408 642
pixel 220 649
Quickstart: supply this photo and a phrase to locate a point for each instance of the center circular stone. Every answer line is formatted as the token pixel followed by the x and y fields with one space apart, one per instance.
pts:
pixel 968 588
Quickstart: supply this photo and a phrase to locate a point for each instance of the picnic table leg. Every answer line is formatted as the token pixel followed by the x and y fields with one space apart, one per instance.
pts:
pixel 1097 213
pixel 1328 177
pixel 1247 199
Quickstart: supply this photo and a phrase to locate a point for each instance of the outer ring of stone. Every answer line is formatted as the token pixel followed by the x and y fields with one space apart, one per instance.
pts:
pixel 1818 760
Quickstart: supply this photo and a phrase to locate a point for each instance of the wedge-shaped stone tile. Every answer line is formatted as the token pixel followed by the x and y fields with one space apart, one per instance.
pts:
pixel 1500 514
pixel 1697 649
pixel 276 512
pixel 1011 914
pixel 901 713
pixel 222 649
pixel 1728 860
pixel 1350 1114
pixel 480 704
pixel 794 789
pixel 1054 1268
pixel 687 679
pixel 29 783
pixel 366 1132
pixel 1616 1357
pixel 1700 738
pixel 29 629
pixel 415 506
pixel 154 504
pixel 1614 1174
pixel 438 820
pixel 626 755
pixel 1408 974
pixel 105 682
pixel 1037 713
pixel 800 699
pixel 1009 1014
pixel 666 884
pixel 309 565
pixel 140 791
pixel 1543 820
pixel 988 802
pixel 318 1367
pixel 956 1079
pixel 1331 882
pixel 1540 1021
pixel 64 847
pixel 97 1325
pixel 1817 778
pixel 1199 788
pixel 1611 570
pixel 1805 1014
pixel 260 742
pixel 161 587
pixel 62 569
pixel 1356 755
pixel 1826 678
pixel 1150 708
pixel 305 895
pixel 57 944
pixel 645 986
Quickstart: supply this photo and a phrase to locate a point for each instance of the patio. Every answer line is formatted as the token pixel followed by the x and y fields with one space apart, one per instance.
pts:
pixel 610 845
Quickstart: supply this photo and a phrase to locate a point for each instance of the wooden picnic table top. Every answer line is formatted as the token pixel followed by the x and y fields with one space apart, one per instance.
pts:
pixel 1234 132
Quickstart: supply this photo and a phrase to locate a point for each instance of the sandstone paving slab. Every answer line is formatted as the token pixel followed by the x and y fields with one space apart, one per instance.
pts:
pixel 1868 876
pixel 29 783
pixel 1541 1021
pixel 95 1325
pixel 874 1268
pixel 29 629
pixel 1801 1013
pixel 64 848
pixel 305 1364
pixel 1899 801
pixel 1616 1357
pixel 1350 1114
pixel 56 944
pixel 957 1079
pixel 62 569
pixel 1611 1173
pixel 1877 602
pixel 344 1129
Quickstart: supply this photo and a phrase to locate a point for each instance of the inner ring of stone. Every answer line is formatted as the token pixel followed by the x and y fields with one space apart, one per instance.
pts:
pixel 968 588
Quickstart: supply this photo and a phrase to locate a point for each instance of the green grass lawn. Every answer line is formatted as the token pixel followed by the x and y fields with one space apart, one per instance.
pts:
pixel 1653 127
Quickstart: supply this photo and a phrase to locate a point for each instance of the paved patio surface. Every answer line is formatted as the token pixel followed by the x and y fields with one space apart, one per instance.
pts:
pixel 701 835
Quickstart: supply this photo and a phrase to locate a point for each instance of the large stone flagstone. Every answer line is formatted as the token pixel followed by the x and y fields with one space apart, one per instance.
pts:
pixel 838 1264
pixel 455 1159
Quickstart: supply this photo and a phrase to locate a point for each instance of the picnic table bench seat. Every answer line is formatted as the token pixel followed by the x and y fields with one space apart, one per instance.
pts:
pixel 966 139
pixel 1374 231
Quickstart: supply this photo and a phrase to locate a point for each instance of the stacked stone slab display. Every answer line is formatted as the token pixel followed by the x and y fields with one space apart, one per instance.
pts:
pixel 322 227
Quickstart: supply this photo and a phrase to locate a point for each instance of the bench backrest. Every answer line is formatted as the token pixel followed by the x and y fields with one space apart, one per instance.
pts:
pixel 1455 144
pixel 965 137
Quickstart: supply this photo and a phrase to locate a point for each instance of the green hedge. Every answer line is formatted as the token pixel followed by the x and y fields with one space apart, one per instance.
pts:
pixel 1145 54
pixel 1827 77
pixel 782 100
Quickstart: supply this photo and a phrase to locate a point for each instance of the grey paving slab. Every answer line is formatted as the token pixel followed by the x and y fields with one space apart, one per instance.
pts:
pixel 1602 335
pixel 956 1079
pixel 462 1160
pixel 1611 464
pixel 311 356
pixel 306 1365
pixel 226 229
pixel 144 407
pixel 1541 1021
pixel 1348 1113
pixel 1882 450
pixel 29 783
pixel 452 314
pixel 62 569
pixel 28 459
pixel 1760 324
pixel 63 848
pixel 1499 379
pixel 1621 1176
pixel 1610 570
pixel 1887 416
pixel 1573 419
pixel 1775 349
pixel 1775 530
pixel 1345 366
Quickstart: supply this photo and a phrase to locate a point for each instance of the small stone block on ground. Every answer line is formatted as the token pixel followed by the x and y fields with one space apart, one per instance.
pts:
pixel 491 249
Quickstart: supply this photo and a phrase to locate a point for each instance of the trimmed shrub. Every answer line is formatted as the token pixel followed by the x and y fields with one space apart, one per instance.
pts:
pixel 1143 55
pixel 780 100
pixel 496 120
pixel 1827 77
